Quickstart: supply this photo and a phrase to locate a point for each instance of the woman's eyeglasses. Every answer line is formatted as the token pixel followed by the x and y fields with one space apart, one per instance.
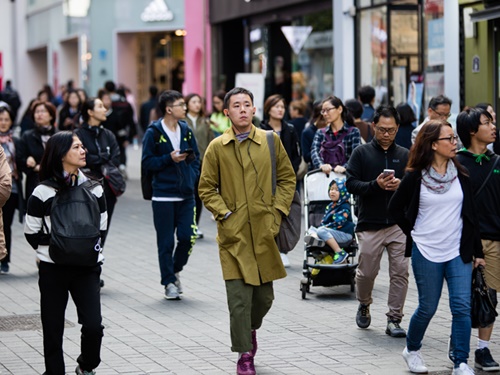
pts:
pixel 451 138
pixel 326 110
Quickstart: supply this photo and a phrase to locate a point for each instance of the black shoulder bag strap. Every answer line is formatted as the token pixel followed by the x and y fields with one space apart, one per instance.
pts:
pixel 270 144
pixel 487 177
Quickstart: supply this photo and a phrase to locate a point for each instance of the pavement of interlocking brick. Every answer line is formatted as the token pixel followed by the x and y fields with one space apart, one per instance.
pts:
pixel 146 334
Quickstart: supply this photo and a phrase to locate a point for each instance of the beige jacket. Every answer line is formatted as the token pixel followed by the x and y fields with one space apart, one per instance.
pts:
pixel 5 190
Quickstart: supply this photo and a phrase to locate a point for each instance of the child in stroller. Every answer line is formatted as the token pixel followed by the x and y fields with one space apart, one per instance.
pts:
pixel 336 226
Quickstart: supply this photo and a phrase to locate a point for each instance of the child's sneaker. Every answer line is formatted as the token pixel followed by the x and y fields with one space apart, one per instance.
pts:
pixel 340 257
pixel 312 239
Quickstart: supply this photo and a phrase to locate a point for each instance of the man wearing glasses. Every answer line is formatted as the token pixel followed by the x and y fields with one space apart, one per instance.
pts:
pixel 439 109
pixel 170 152
pixel 373 174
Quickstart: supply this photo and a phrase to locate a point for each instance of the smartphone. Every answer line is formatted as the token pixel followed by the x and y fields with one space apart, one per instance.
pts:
pixel 388 172
pixel 186 151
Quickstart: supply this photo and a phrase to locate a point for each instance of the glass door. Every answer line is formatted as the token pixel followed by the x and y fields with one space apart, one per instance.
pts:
pixel 404 52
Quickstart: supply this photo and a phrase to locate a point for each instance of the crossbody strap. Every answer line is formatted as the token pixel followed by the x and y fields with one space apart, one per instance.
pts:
pixel 487 177
pixel 270 144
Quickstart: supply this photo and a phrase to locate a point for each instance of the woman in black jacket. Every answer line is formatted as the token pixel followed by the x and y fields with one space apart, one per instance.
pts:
pixel 101 146
pixel 33 143
pixel 10 146
pixel 434 207
pixel 69 115
pixel 274 110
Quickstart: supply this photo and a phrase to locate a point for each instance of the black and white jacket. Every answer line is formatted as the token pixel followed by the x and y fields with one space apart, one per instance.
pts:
pixel 39 206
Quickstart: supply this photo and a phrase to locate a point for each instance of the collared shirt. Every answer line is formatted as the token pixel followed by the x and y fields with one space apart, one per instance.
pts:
pixel 350 141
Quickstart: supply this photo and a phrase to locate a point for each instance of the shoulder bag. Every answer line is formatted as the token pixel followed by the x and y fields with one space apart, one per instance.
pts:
pixel 289 233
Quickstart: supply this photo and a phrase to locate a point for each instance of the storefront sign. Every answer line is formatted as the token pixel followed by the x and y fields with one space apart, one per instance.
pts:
pixel 296 36
pixel 156 11
pixel 435 42
pixel 319 39
pixel 255 83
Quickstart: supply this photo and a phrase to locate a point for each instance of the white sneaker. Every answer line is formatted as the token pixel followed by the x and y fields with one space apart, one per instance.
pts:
pixel 414 361
pixel 171 292
pixel 285 260
pixel 463 370
pixel 178 283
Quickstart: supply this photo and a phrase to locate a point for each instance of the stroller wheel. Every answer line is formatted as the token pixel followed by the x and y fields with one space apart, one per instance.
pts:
pixel 304 287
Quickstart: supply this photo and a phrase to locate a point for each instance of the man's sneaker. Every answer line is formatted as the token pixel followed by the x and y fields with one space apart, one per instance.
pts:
pixel 254 343
pixel 178 283
pixel 285 260
pixel 312 239
pixel 245 365
pixel 101 283
pixel 394 330
pixel 4 268
pixel 484 360
pixel 199 234
pixel 171 292
pixel 363 318
pixel 414 361
pixel 463 369
pixel 79 371
pixel 340 257
pixel 451 356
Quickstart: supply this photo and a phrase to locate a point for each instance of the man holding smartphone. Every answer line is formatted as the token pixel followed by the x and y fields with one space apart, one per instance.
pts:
pixel 373 174
pixel 169 150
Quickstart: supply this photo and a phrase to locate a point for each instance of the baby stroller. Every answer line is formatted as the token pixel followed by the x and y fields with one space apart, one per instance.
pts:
pixel 316 274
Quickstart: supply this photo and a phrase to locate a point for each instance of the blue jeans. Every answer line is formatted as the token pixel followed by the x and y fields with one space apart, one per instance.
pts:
pixel 169 217
pixel 429 277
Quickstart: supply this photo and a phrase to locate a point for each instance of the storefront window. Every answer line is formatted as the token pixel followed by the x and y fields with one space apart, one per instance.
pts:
pixel 312 68
pixel 373 52
pixel 258 53
pixel 434 48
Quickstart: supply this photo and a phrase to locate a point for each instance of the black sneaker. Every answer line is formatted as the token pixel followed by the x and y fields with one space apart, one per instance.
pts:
pixel 363 318
pixel 484 360
pixel 394 330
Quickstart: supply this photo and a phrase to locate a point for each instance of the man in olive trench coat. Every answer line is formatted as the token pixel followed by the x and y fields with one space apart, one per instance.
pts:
pixel 236 186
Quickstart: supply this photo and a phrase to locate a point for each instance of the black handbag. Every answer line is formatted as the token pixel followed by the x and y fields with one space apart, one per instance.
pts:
pixel 484 300
pixel 114 178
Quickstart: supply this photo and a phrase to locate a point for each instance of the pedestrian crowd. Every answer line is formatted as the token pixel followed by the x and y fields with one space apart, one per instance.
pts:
pixel 428 194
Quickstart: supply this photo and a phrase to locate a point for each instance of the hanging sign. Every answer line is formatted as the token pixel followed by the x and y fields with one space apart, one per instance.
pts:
pixel 296 36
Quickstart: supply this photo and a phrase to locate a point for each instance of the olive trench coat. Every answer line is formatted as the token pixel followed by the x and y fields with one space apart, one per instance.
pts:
pixel 237 177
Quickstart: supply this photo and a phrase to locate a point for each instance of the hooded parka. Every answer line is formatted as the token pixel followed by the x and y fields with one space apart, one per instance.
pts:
pixel 237 177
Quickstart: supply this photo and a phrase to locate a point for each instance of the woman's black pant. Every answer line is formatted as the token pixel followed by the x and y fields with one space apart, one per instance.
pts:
pixel 8 211
pixel 56 282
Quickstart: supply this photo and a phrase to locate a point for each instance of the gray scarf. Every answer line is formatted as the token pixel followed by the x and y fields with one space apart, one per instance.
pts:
pixel 436 183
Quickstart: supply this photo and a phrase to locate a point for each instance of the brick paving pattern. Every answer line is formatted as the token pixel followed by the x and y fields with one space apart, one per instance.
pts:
pixel 146 334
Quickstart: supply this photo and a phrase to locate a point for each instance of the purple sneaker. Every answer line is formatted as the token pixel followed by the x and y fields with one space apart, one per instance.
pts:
pixel 245 365
pixel 254 343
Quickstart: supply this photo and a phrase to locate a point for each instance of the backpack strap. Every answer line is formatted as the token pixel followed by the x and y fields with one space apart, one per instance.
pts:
pixel 487 177
pixel 270 144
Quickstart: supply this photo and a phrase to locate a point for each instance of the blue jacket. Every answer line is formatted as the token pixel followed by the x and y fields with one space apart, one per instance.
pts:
pixel 170 179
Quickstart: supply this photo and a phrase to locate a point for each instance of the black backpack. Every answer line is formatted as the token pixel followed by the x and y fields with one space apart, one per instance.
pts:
pixel 75 217
pixel 146 175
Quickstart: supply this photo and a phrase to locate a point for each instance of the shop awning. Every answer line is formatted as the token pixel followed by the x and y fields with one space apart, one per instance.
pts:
pixel 485 15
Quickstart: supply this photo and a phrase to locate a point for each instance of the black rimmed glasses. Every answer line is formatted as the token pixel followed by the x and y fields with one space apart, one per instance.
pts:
pixel 390 131
pixel 451 139
pixel 182 105
pixel 326 110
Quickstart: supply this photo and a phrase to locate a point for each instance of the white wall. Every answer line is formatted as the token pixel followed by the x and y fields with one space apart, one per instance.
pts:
pixel 343 49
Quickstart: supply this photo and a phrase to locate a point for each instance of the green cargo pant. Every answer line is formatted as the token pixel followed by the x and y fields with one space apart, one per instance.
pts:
pixel 248 305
